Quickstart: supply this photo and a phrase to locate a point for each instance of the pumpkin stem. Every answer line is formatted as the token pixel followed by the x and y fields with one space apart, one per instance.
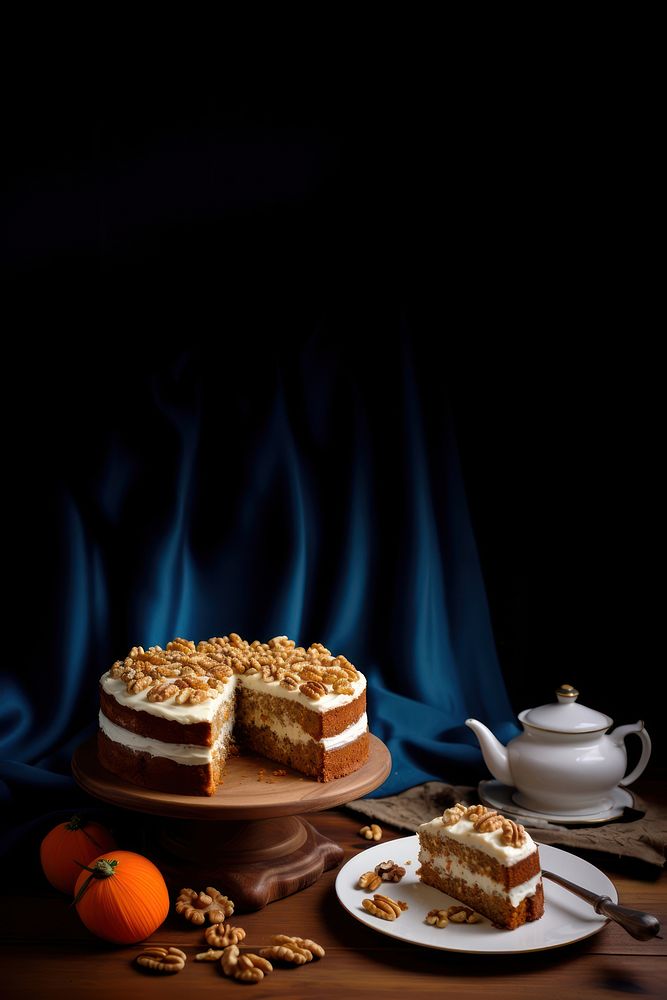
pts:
pixel 101 869
pixel 76 823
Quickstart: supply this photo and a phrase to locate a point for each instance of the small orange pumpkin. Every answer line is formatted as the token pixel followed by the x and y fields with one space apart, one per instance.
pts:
pixel 77 840
pixel 121 897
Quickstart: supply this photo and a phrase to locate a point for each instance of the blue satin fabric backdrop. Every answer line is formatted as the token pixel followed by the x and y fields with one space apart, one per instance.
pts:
pixel 301 495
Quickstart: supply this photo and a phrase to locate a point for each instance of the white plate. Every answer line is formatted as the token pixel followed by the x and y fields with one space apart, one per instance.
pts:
pixel 494 793
pixel 566 917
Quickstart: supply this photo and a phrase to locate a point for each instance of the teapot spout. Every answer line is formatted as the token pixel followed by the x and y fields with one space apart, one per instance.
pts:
pixel 494 753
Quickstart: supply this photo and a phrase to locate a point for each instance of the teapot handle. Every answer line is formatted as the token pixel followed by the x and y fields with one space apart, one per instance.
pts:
pixel 643 760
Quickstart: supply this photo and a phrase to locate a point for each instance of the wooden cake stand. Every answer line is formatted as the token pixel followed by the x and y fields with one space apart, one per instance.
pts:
pixel 248 838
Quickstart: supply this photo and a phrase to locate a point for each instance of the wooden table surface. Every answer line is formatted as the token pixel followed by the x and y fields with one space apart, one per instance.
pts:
pixel 46 951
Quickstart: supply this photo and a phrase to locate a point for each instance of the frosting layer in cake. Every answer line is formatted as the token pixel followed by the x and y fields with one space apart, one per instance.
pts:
pixel 188 753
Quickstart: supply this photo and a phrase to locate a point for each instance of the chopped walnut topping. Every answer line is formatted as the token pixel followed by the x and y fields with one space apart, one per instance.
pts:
pixel 488 823
pixel 454 814
pixel 486 820
pixel 162 692
pixel 313 689
pixel 343 687
pixel 190 674
pixel 513 833
pixel 139 684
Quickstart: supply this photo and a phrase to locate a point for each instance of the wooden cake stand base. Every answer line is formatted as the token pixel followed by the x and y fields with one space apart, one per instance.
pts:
pixel 248 838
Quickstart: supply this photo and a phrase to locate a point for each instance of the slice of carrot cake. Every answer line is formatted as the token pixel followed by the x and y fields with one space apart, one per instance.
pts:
pixel 484 860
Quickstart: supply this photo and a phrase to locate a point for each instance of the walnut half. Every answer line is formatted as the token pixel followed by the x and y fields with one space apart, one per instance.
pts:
pixel 198 906
pixel 248 967
pixel 162 960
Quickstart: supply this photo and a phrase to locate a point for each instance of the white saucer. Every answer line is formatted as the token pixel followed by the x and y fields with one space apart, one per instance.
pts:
pixel 494 793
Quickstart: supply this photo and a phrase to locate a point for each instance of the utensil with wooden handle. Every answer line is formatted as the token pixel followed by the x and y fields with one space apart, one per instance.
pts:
pixel 641 926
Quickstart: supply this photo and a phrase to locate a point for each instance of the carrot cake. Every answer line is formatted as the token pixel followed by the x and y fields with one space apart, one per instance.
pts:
pixel 170 717
pixel 484 860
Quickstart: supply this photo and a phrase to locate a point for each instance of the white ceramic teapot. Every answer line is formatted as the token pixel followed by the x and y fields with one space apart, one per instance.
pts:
pixel 564 762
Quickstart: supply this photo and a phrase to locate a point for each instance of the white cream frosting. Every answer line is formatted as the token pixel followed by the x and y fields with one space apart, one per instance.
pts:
pixel 185 714
pixel 295 734
pixel 324 704
pixel 490 843
pixel 454 868
pixel 184 753
pixel 207 710
pixel 181 753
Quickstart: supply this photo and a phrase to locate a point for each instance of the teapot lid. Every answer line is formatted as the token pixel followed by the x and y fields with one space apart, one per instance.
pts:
pixel 565 716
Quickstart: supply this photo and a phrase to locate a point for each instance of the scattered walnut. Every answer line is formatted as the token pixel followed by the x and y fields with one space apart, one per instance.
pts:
pixel 462 915
pixel 212 955
pixel 280 773
pixel 222 935
pixel 372 832
pixel 384 907
pixel 162 960
pixel 248 968
pixel 198 906
pixel 369 881
pixel 389 871
pixel 437 918
pixel 290 952
pixel 316 950
pixel 454 914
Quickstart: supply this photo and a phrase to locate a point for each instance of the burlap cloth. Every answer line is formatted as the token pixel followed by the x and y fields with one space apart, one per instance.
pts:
pixel 640 833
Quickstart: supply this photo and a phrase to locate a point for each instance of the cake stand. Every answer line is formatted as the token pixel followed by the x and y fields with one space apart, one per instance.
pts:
pixel 249 838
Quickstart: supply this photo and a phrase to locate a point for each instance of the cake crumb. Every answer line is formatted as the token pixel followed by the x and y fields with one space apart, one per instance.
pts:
pixel 280 773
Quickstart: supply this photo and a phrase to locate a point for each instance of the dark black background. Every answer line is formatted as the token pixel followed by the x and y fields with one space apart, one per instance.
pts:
pixel 505 234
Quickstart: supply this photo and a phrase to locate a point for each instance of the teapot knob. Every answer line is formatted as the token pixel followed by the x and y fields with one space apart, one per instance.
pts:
pixel 567 694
